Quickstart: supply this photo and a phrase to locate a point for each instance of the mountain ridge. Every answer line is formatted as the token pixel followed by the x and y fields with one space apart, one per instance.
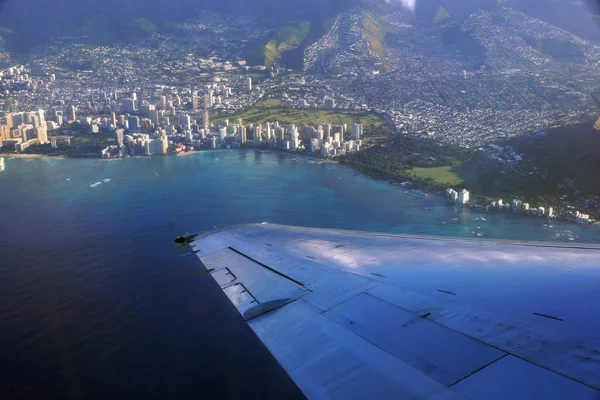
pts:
pixel 31 23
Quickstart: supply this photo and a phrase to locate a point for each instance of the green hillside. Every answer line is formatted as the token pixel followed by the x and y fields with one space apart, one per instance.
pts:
pixel 107 28
pixel 286 38
pixel 145 25
pixel 376 29
pixel 441 15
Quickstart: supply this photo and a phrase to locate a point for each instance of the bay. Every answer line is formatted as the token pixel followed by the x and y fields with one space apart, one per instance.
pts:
pixel 96 301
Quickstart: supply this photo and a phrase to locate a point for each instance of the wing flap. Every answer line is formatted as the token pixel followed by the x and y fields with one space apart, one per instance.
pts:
pixel 252 288
pixel 438 352
pixel 522 381
pixel 327 361
pixel 547 346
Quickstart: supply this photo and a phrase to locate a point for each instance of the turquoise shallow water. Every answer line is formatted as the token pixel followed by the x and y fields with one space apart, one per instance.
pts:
pixel 96 301
pixel 168 195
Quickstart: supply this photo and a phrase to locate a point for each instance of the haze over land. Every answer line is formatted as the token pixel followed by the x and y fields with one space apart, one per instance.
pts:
pixel 31 22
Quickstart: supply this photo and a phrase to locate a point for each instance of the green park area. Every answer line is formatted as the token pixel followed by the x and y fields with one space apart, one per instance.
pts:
pixel 272 110
pixel 446 175
pixel 563 162
pixel 427 163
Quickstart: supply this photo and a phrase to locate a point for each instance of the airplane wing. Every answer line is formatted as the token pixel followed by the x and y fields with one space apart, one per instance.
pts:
pixel 355 315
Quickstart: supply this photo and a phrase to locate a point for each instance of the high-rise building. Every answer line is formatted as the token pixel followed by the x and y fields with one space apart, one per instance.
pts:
pixel 133 123
pixel 242 134
pixel 18 119
pixel 222 133
pixel 280 134
pixel 145 124
pixel 27 118
pixel 205 119
pixel 186 121
pixel 9 121
pixel 119 135
pixel 308 132
pixel 58 117
pixel 257 135
pixel 4 133
pixel 328 102
pixel 41 134
pixel 314 145
pixel 72 114
pixel 452 194
pixel 128 105
pixel 339 129
pixel 146 109
pixel 249 84
pixel 294 140
pixel 517 205
pixel 157 146
pixel 195 100
pixel 326 131
pixel 113 119
pixel 463 196
pixel 154 116
pixel 40 118
pixel 357 131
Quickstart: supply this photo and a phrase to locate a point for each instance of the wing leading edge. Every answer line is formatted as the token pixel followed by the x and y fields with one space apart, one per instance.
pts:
pixel 361 315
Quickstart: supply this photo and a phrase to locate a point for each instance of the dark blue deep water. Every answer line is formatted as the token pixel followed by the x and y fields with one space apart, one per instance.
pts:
pixel 96 301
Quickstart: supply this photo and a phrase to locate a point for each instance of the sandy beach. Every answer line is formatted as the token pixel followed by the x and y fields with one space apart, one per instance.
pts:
pixel 19 155
pixel 186 153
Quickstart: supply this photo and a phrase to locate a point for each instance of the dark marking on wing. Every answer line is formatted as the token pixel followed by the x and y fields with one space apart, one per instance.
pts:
pixel 447 292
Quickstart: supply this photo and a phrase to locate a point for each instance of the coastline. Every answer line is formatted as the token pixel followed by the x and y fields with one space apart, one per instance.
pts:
pixel 184 153
pixel 477 208
pixel 19 155
pixel 179 154
pixel 436 194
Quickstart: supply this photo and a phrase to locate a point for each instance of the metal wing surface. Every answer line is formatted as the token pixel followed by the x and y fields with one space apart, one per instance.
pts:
pixel 354 315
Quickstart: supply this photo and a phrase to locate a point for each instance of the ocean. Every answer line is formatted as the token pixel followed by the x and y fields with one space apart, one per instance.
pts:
pixel 96 300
